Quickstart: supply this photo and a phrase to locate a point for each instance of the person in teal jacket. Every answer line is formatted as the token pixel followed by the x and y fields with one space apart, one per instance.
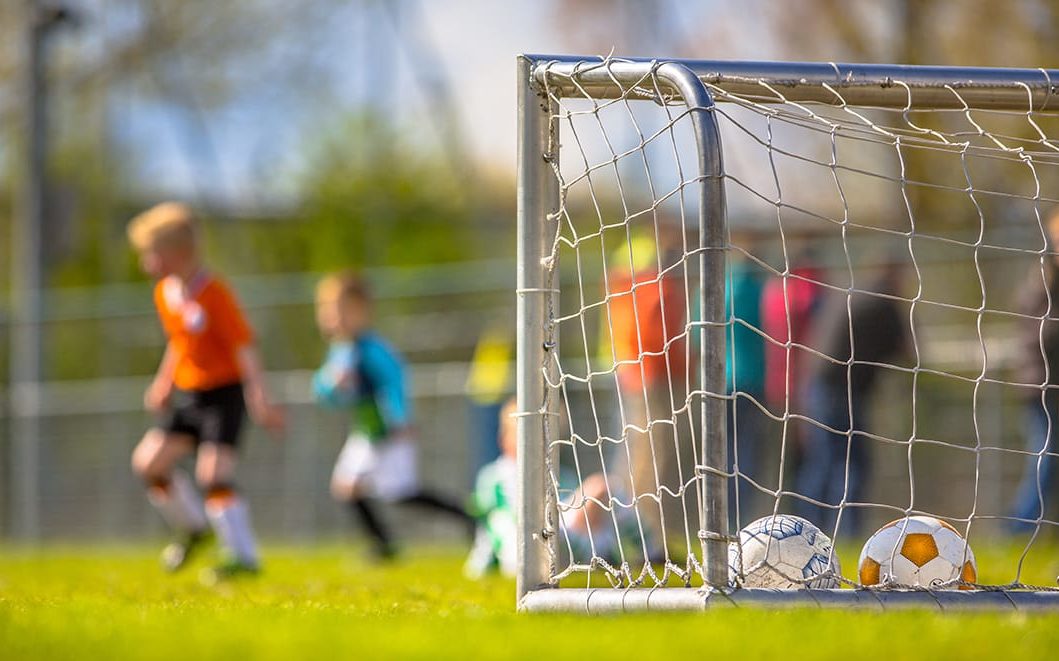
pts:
pixel 744 381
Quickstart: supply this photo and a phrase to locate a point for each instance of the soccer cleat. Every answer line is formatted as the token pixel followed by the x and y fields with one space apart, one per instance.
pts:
pixel 228 571
pixel 383 553
pixel 177 554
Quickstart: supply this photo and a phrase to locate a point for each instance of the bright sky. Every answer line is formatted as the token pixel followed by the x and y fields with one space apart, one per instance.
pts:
pixel 477 42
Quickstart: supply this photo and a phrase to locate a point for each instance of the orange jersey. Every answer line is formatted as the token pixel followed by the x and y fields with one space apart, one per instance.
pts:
pixel 648 328
pixel 205 328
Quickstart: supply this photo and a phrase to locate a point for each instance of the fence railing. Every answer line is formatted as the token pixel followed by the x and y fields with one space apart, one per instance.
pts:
pixel 88 426
pixel 101 344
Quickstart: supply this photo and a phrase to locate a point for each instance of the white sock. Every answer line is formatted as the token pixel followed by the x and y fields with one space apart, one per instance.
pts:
pixel 481 557
pixel 230 519
pixel 179 504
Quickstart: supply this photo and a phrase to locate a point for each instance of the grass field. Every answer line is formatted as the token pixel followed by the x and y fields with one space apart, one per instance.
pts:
pixel 325 603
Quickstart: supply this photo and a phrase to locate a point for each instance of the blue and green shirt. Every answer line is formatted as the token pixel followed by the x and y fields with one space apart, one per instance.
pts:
pixel 744 347
pixel 367 377
pixel 745 364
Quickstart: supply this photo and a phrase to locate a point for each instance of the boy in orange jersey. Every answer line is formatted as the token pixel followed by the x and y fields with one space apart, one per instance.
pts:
pixel 209 376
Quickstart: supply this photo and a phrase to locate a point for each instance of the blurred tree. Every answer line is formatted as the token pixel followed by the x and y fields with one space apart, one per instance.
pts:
pixel 1021 33
pixel 383 204
pixel 189 57
pixel 629 27
pixel 190 52
pixel 1017 33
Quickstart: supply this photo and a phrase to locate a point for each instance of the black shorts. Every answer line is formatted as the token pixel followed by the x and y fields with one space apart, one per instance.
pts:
pixel 212 416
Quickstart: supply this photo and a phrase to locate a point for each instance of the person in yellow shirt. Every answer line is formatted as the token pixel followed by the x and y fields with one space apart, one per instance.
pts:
pixel 489 384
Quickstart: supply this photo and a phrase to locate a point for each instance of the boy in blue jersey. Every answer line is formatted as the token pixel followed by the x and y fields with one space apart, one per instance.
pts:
pixel 365 376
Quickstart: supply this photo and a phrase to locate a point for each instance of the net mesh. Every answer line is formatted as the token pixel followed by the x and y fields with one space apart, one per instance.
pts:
pixel 891 334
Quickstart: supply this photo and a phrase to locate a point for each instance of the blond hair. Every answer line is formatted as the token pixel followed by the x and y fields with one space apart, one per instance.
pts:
pixel 165 224
pixel 345 285
pixel 508 436
pixel 509 409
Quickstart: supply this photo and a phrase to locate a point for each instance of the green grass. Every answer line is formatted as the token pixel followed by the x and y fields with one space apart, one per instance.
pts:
pixel 324 603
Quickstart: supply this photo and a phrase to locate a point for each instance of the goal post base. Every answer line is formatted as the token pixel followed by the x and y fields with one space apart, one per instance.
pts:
pixel 609 600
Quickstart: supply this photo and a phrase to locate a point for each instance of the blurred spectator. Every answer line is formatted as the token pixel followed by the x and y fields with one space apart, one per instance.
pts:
pixel 593 524
pixel 744 375
pixel 489 384
pixel 493 503
pixel 789 308
pixel 1039 365
pixel 794 300
pixel 645 326
pixel 835 467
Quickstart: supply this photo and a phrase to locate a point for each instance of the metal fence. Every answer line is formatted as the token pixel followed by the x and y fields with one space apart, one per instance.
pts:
pixel 102 343
pixel 107 340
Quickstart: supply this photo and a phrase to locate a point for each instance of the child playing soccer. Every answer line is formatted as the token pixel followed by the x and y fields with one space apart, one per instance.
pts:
pixel 493 504
pixel 588 528
pixel 363 374
pixel 210 374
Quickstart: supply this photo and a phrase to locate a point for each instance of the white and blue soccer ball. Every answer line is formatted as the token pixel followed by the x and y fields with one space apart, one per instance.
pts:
pixel 783 551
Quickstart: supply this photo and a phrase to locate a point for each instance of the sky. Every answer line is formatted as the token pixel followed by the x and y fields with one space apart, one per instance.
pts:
pixel 426 60
pixel 482 39
pixel 233 152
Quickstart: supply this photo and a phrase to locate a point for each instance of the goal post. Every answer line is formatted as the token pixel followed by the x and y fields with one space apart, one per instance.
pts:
pixel 538 209
pixel 537 206
pixel 631 396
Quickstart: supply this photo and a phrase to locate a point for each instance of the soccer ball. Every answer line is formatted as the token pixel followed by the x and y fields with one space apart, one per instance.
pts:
pixel 783 551
pixel 918 551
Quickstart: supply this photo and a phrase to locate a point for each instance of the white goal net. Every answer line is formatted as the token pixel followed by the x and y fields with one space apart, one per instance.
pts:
pixel 818 291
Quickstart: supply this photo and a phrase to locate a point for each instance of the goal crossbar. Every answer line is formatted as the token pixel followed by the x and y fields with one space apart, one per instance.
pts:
pixel 876 85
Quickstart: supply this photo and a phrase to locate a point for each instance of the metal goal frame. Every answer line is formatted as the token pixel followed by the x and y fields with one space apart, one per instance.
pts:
pixel 544 78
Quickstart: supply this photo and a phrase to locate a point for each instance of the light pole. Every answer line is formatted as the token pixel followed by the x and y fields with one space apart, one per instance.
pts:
pixel 27 270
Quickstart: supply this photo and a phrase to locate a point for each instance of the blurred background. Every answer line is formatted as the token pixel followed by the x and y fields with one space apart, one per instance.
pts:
pixel 311 136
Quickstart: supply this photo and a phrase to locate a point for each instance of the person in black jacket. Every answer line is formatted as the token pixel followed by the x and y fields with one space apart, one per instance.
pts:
pixel 1038 365
pixel 873 329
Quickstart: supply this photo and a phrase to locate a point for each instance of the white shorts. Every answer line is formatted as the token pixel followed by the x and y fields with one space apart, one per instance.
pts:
pixel 494 546
pixel 385 469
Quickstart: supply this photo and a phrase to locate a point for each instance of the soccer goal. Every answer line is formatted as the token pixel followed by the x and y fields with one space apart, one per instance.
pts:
pixel 772 316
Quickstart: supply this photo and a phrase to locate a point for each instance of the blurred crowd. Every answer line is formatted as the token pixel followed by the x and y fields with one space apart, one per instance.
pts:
pixel 804 361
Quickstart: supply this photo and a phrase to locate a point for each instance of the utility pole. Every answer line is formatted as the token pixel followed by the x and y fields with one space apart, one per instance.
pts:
pixel 27 274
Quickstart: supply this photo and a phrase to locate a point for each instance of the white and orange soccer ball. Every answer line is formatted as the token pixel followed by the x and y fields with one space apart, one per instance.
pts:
pixel 783 551
pixel 918 551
